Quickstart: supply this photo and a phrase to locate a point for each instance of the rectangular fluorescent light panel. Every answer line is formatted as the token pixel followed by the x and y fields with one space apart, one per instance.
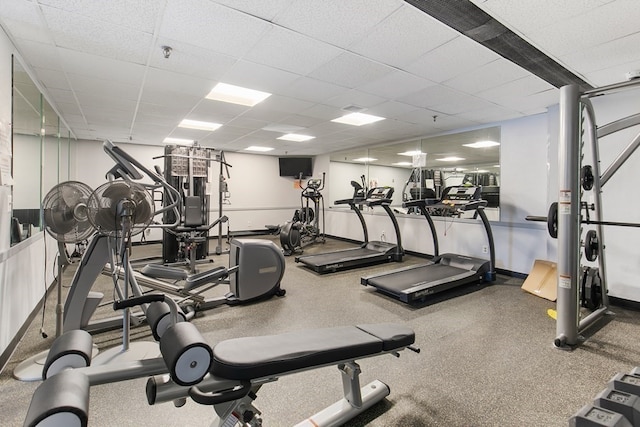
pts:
pixel 365 159
pixel 295 137
pixel 411 153
pixel 357 119
pixel 482 144
pixel 258 149
pixel 402 164
pixel 451 159
pixel 195 124
pixel 180 141
pixel 237 95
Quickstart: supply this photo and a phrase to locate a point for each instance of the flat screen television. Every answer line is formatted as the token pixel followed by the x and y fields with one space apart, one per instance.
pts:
pixel 294 166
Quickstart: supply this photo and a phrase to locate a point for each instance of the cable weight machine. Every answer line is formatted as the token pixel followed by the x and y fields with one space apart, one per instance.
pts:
pixel 186 168
pixel 581 286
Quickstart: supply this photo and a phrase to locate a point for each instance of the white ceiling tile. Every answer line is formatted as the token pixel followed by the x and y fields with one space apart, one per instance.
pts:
pixel 302 120
pixel 611 75
pixel 354 97
pixel 284 104
pixel 52 79
pixel 491 114
pixel 94 65
pixel 321 111
pixel 516 89
pixel 596 26
pixel 211 26
pixel 140 14
pixel 491 75
pixel 266 10
pixel 41 55
pixel 74 31
pixel 190 60
pixel 418 116
pixel 446 61
pixel 395 84
pixel 619 51
pixel 62 95
pixel 403 36
pixel 259 77
pixel 461 105
pixel 178 101
pixel 103 89
pixel 433 95
pixel 310 89
pixel 163 80
pixel 287 50
pixel 216 111
pixel 337 22
pixel 350 70
pixel 391 109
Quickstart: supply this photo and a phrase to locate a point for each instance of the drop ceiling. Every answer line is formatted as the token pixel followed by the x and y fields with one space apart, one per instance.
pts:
pixel 102 68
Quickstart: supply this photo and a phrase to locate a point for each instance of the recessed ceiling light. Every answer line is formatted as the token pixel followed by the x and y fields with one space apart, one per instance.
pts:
pixel 496 166
pixel 402 164
pixel 296 137
pixel 357 119
pixel 237 95
pixel 451 159
pixel 365 159
pixel 195 124
pixel 259 149
pixel 181 141
pixel 411 153
pixel 482 144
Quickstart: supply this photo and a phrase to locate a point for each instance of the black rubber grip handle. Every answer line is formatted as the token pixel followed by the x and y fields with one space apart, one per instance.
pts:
pixel 132 302
pixel 221 396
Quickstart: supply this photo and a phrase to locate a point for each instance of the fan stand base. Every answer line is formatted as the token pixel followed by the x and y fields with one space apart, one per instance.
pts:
pixel 137 351
pixel 30 369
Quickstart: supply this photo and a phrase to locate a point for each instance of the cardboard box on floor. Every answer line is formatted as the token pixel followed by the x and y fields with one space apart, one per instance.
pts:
pixel 543 280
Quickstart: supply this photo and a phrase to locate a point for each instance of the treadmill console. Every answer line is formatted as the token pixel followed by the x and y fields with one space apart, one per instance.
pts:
pixel 380 193
pixel 463 198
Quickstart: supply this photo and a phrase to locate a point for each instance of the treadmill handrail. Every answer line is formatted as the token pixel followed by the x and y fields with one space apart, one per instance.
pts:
pixel 377 202
pixel 420 202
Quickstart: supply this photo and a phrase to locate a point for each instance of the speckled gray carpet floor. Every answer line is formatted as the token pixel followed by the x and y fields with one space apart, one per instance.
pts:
pixel 487 357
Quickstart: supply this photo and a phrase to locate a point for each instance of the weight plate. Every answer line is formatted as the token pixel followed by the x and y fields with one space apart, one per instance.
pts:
pixel 552 220
pixel 586 177
pixel 591 246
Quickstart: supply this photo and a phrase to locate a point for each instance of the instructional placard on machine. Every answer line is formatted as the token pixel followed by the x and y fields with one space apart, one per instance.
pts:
pixel 564 282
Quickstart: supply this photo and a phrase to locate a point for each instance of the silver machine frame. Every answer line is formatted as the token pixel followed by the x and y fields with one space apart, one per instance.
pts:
pixel 576 109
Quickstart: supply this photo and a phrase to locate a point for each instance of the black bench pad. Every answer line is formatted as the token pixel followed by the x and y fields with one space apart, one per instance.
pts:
pixel 257 357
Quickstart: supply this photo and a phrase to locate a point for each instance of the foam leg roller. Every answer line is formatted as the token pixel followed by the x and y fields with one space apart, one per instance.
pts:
pixel 62 400
pixel 69 351
pixel 159 318
pixel 185 353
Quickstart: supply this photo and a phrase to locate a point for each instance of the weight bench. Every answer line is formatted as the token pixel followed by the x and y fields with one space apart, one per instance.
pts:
pixel 238 369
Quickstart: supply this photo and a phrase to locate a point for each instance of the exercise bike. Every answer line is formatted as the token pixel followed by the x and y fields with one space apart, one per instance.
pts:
pixel 304 229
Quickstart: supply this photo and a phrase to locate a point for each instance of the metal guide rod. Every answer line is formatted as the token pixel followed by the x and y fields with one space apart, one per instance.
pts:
pixel 597 202
pixel 613 87
pixel 568 218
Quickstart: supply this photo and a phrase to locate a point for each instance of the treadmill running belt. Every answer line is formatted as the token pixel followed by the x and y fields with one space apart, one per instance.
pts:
pixel 341 256
pixel 422 280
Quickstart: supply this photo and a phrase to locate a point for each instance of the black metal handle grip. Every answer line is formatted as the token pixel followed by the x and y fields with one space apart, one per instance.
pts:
pixel 214 398
pixel 132 302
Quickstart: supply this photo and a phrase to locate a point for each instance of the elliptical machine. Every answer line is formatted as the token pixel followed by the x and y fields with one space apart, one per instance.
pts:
pixel 304 229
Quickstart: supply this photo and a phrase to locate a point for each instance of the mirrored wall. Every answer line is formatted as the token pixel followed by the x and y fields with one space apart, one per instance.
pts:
pixel 424 167
pixel 40 147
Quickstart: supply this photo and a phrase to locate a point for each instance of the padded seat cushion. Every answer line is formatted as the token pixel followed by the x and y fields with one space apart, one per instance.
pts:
pixel 257 357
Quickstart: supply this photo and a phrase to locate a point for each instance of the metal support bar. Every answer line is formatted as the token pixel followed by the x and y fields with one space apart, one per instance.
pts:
pixel 568 218
pixel 620 160
pixel 351 383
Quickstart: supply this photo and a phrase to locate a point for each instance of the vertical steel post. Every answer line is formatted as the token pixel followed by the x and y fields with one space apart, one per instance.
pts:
pixel 568 218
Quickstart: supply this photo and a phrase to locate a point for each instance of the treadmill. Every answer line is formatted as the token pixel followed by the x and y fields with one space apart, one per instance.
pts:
pixel 368 253
pixel 413 284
